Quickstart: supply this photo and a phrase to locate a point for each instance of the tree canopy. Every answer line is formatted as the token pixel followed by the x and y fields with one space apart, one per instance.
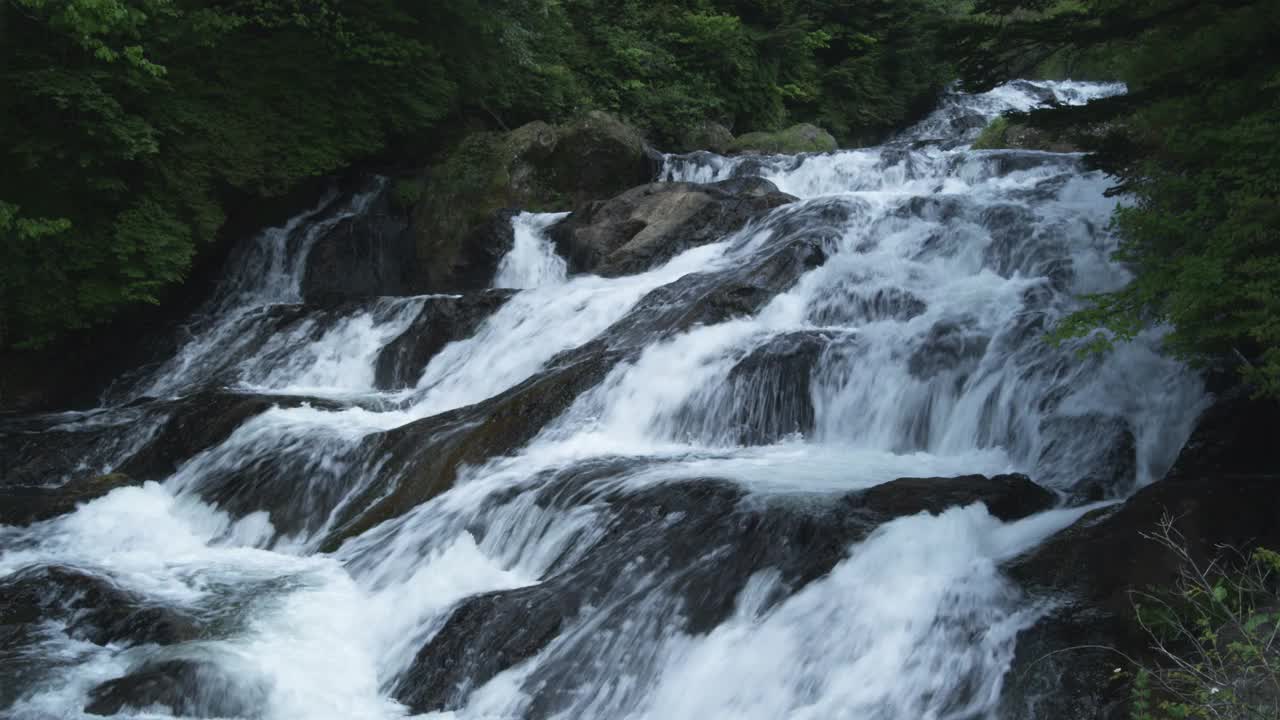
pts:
pixel 130 126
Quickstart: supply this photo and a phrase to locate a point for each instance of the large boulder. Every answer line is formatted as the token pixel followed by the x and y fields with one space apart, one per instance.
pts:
pixel 707 135
pixel 537 167
pixel 647 225
pixel 705 534
pixel 1224 490
pixel 366 254
pixel 802 138
pixel 442 320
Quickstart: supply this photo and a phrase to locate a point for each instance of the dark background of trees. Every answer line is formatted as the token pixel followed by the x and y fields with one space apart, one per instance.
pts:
pixel 132 128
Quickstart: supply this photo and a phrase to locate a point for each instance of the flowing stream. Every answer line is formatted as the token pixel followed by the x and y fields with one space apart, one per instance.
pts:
pixel 679 536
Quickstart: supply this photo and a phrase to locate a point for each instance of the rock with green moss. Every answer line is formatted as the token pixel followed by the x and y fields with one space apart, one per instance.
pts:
pixel 802 138
pixel 707 135
pixel 459 232
pixel 1001 134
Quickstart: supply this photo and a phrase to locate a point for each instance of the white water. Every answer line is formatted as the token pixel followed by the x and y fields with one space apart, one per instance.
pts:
pixel 944 267
pixel 533 261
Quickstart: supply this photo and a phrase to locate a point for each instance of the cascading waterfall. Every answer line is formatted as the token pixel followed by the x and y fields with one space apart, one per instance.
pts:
pixel 533 261
pixel 686 534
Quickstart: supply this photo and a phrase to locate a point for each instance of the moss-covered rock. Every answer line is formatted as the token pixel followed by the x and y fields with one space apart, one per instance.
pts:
pixel 537 167
pixel 800 138
pixel 708 135
pixel 1001 134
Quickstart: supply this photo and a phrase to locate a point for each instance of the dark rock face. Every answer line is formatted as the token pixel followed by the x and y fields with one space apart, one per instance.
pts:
pixel 95 609
pixel 26 504
pixel 950 346
pixel 420 460
pixel 1223 490
pixel 188 688
pixel 1095 456
pixel 472 264
pixel 200 422
pixel 647 225
pixel 462 224
pixel 48 483
pixel 765 398
pixel 442 320
pixel 366 255
pixel 706 536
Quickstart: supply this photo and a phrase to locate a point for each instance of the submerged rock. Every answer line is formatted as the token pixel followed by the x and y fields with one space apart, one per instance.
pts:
pixel 706 536
pixel 1091 457
pixel 186 687
pixel 765 398
pixel 647 225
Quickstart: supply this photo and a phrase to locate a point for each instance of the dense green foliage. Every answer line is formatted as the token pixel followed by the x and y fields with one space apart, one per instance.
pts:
pixel 131 126
pixel 1195 144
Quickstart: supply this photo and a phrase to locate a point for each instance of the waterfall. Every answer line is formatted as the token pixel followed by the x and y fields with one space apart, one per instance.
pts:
pixel 533 261
pixel 638 497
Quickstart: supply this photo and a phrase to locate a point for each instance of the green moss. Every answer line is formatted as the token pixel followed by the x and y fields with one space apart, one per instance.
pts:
pixel 802 138
pixel 993 136
pixel 406 192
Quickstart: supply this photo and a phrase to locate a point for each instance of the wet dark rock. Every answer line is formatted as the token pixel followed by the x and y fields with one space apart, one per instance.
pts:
pixel 441 321
pixel 189 688
pixel 705 537
pixel 851 305
pixel 474 263
pixel 647 225
pixel 93 607
pixel 1007 497
pixel 462 220
pixel 368 254
pixel 950 346
pixel 1090 457
pixel 1224 490
pixel 418 461
pixel 765 398
pixel 200 422
pixel 933 208
pixel 26 504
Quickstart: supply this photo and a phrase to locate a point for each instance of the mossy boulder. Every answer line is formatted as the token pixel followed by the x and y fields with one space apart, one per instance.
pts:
pixel 1004 134
pixel 707 135
pixel 802 138
pixel 536 167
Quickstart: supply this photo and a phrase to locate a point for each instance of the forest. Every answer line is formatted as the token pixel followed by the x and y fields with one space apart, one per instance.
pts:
pixel 133 129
